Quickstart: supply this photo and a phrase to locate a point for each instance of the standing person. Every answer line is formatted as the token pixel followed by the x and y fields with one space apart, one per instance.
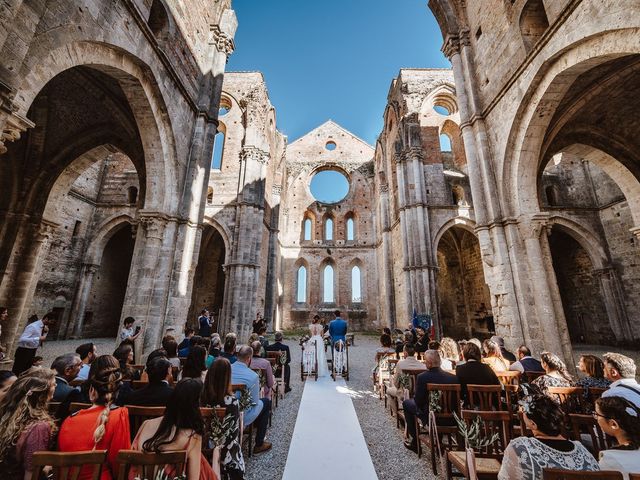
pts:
pixel 25 424
pixel 99 427
pixel 278 346
pixel 619 418
pixel 88 353
pixel 258 323
pixel 127 332
pixel 34 334
pixel 204 324
pixel 315 330
pixel 338 328
pixel 4 315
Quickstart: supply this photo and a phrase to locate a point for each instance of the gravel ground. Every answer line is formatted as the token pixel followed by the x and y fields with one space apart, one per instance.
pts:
pixel 391 460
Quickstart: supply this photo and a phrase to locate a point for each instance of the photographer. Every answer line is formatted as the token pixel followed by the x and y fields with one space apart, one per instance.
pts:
pixel 127 332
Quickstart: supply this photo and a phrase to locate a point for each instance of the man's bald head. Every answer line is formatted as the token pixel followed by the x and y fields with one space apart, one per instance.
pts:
pixel 245 352
pixel 432 359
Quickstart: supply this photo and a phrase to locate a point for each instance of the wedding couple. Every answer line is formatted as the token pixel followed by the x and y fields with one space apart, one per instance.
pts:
pixel 337 331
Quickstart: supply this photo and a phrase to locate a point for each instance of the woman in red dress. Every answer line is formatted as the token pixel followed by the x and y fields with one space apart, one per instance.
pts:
pixel 103 426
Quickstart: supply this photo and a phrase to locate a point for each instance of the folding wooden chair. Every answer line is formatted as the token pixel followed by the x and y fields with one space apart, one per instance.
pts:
pixel 53 408
pixel 67 465
pixel 588 426
pixel 559 474
pixel 150 465
pixel 138 415
pixel 77 406
pixel 508 377
pixel 528 376
pixel 237 389
pixel 485 397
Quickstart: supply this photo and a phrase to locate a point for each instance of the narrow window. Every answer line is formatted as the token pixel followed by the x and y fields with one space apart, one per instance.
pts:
pixel 350 229
pixel 356 292
pixel 445 143
pixel 301 296
pixel 76 228
pixel 132 195
pixel 328 285
pixel 328 229
pixel 210 196
pixel 307 229
pixel 218 148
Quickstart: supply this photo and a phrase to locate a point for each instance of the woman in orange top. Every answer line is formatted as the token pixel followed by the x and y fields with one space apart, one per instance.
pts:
pixel 102 426
pixel 493 357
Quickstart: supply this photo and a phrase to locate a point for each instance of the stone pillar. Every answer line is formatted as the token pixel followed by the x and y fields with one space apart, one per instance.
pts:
pixel 613 297
pixel 387 258
pixel 80 300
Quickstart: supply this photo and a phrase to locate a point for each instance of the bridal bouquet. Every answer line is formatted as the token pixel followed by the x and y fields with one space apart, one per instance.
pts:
pixel 304 339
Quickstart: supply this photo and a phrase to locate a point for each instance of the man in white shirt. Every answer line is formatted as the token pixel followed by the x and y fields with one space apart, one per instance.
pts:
pixel 621 370
pixel 88 354
pixel 32 337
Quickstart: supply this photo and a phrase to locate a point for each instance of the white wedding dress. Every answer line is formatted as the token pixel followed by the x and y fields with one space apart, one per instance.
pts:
pixel 316 331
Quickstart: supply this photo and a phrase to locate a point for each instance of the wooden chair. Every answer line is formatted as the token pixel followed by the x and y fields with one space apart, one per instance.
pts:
pixel 278 373
pixel 449 396
pixel 137 368
pixel 413 374
pixel 240 387
pixel 67 466
pixel 76 382
pixel 150 465
pixel 138 384
pixel 508 377
pixel 528 376
pixel 53 408
pixel 587 425
pixel 571 399
pixel 634 476
pixel 488 459
pixel 485 397
pixel 207 415
pixel 138 415
pixel 559 474
pixel 77 406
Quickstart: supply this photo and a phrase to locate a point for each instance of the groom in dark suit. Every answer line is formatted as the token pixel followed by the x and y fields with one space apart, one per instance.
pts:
pixel 338 328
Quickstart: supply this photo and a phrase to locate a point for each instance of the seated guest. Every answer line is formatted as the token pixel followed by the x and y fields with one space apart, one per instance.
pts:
pixel 493 357
pixel 385 345
pixel 217 393
pixel 473 371
pixel 101 427
pixel 216 345
pixel 461 344
pixel 7 378
pixel 526 363
pixel 259 413
pixel 409 362
pixel 408 338
pixel 37 361
pixel 593 368
pixel 66 367
pixel 170 346
pixel 186 342
pixel 262 337
pixel 157 353
pixel 157 392
pixel 180 428
pixel 422 342
pixel 450 351
pixel 229 348
pixel 445 362
pixel 25 424
pixel 510 357
pixel 419 405
pixel 278 346
pixel 620 418
pixel 206 344
pixel 195 365
pixel 556 374
pixel 525 458
pixel 258 362
pixel 88 353
pixel 124 355
pixel 621 370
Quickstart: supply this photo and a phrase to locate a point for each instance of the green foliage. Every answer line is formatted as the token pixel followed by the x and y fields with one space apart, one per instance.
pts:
pixel 473 433
pixel 403 380
pixel 221 429
pixel 245 401
pixel 434 401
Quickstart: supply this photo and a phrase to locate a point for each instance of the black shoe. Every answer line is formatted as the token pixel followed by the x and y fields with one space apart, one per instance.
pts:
pixel 287 389
pixel 411 446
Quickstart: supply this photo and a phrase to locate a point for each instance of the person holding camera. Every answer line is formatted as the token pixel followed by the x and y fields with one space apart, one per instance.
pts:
pixel 127 332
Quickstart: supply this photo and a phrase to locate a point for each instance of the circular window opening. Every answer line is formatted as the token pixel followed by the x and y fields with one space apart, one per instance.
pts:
pixel 330 145
pixel 441 110
pixel 225 106
pixel 329 186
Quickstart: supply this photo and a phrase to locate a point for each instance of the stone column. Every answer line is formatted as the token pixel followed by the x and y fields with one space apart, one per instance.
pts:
pixel 613 297
pixel 387 258
pixel 80 300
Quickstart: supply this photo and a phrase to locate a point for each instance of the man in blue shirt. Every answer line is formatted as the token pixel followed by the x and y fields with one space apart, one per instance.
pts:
pixel 337 328
pixel 242 374
pixel 204 324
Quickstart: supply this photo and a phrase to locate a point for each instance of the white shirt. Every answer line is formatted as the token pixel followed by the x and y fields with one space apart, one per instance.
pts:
pixel 30 338
pixel 83 374
pixel 624 461
pixel 617 390
pixel 126 333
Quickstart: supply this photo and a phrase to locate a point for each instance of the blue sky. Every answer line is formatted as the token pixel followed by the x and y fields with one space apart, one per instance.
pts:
pixel 333 59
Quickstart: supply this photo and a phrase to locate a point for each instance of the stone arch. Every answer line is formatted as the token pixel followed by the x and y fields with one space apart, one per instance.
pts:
pixel 103 234
pixel 461 222
pixel 359 264
pixel 350 218
pixel 160 21
pixel 222 230
pixel 523 153
pixel 310 217
pixel 452 130
pixel 585 238
pixel 144 96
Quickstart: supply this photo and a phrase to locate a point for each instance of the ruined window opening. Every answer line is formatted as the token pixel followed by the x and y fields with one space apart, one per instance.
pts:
pixel 533 23
pixel 441 110
pixel 301 295
pixel 328 229
pixel 356 291
pixel 329 185
pixel 350 229
pixel 132 195
pixel 225 106
pixel 330 145
pixel 445 143
pixel 209 196
pixel 159 20
pixel 218 150
pixel 307 229
pixel 328 296
pixel 552 195
pixel 76 228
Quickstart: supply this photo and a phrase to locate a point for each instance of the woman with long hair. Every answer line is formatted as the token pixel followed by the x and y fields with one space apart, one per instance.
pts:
pixel 556 374
pixel 103 426
pixel 170 345
pixel 593 368
pixel 450 349
pixel 25 423
pixel 124 355
pixel 7 378
pixel 195 365
pixel 217 393
pixel 493 356
pixel 181 428
pixel 619 418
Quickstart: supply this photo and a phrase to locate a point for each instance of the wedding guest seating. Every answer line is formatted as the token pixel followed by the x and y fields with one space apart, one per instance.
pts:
pixel 75 406
pixel 528 376
pixel 508 377
pixel 559 474
pixel 485 397
pixel 586 425
pixel 138 415
pixel 150 465
pixel 66 466
pixel 571 399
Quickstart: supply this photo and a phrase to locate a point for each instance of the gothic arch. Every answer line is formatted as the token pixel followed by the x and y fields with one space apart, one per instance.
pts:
pixel 102 236
pixel 585 238
pixel 461 222
pixel 223 231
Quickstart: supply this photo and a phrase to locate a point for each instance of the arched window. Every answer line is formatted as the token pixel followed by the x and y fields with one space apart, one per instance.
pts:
pixel 218 150
pixel 210 196
pixel 533 23
pixel 356 291
pixel 445 143
pixel 301 293
pixel 132 195
pixel 328 296
pixel 552 195
pixel 159 20
pixel 328 229
pixel 350 229
pixel 307 225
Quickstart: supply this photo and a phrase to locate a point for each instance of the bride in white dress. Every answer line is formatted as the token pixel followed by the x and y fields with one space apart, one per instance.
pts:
pixel 316 330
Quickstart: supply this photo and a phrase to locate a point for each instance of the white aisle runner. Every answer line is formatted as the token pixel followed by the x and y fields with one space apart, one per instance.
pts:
pixel 327 440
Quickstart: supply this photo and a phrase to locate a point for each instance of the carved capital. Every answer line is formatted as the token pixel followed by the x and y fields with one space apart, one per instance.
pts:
pixel 276 190
pixel 154 226
pixel 533 226
pixel 15 126
pixel 45 230
pixel 465 40
pixel 384 187
pixel 413 152
pixel 223 42
pixel 254 153
pixel 451 46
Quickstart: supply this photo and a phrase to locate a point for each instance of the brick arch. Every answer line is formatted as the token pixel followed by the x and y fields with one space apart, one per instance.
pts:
pixel 524 153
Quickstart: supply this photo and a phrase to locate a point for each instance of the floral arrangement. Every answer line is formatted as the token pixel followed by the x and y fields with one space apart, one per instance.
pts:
pixel 283 358
pixel 261 378
pixel 434 401
pixel 304 339
pixel 221 429
pixel 472 433
pixel 403 381
pixel 327 342
pixel 245 401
